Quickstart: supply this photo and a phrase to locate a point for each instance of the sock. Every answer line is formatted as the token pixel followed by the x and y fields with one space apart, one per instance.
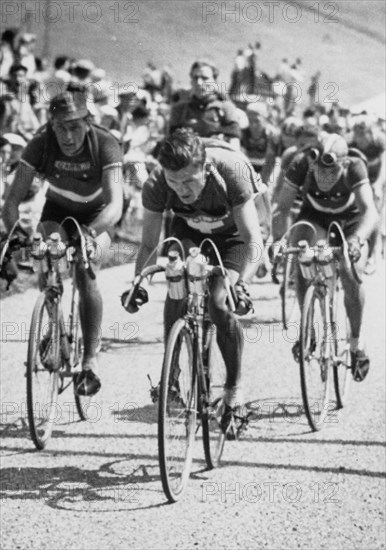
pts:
pixel 356 343
pixel 233 397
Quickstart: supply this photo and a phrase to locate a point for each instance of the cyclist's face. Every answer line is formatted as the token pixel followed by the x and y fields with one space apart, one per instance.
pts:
pixel 187 182
pixel 327 176
pixel 70 135
pixel 203 82
pixel 256 124
pixel 5 153
pixel 288 139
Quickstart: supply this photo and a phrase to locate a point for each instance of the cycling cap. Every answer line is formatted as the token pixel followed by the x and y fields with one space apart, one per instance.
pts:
pixel 84 64
pixel 334 144
pixel 292 126
pixel 15 139
pixel 362 122
pixel 332 148
pixel 69 106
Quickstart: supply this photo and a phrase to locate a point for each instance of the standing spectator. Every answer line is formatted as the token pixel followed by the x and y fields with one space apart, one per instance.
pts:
pixel 81 71
pixel 206 111
pixel 313 90
pixel 261 141
pixel 57 83
pixel 25 54
pixel 7 56
pixel 5 155
pixel 152 79
pixel 370 140
pixel 24 120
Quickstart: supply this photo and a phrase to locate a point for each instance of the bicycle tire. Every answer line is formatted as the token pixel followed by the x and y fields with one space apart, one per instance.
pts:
pixel 342 357
pixel 288 291
pixel 42 378
pixel 177 416
pixel 315 357
pixel 82 402
pixel 215 375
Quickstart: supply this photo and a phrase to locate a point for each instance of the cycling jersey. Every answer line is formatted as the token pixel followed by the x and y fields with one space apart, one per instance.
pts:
pixel 340 197
pixel 373 151
pixel 257 148
pixel 74 183
pixel 207 117
pixel 229 181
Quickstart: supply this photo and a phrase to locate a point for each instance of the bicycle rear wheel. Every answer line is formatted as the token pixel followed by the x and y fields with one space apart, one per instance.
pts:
pixel 342 356
pixel 43 363
pixel 289 303
pixel 315 357
pixel 215 375
pixel 82 402
pixel 177 411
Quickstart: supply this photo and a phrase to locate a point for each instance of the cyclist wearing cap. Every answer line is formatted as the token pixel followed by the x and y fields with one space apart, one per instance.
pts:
pixel 303 137
pixel 206 111
pixel 209 198
pixel 261 142
pixel 335 187
pixel 370 140
pixel 83 166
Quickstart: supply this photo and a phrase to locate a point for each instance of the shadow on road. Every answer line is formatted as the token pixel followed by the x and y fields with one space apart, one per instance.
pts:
pixel 115 486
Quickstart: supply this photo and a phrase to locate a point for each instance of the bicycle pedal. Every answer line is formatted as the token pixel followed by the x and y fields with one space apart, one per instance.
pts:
pixel 154 391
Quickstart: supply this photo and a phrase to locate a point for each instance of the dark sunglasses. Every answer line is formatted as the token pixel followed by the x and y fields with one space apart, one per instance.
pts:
pixel 328 159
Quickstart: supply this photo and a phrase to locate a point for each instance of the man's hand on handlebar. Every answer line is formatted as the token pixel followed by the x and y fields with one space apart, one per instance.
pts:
pixel 354 247
pixel 243 300
pixel 91 246
pixel 134 298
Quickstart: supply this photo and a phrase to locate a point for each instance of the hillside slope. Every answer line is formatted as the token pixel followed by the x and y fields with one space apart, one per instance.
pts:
pixel 344 39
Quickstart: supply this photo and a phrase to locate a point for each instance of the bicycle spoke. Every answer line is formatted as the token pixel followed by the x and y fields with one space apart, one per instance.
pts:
pixel 213 436
pixel 342 355
pixel 315 359
pixel 177 412
pixel 43 362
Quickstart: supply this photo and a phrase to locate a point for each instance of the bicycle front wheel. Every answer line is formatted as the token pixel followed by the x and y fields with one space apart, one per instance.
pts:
pixel 43 363
pixel 177 411
pixel 315 357
pixel 342 356
pixel 215 375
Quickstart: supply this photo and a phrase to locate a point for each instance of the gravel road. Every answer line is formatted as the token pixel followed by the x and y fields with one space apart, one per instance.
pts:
pixel 97 485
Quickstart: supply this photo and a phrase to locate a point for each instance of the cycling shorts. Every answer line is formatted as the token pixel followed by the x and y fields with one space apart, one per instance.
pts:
pixel 349 221
pixel 230 245
pixel 54 213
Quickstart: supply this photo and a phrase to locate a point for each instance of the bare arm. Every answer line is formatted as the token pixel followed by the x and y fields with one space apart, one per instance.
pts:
pixel 247 223
pixel 282 210
pixel 21 185
pixel 368 213
pixel 379 184
pixel 112 195
pixel 151 230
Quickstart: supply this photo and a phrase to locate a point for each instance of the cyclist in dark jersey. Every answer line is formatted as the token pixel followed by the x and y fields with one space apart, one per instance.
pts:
pixel 335 187
pixel 83 166
pixel 206 111
pixel 370 140
pixel 210 191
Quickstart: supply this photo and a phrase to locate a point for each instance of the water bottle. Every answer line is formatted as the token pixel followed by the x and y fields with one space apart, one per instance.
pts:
pixel 57 251
pixel 324 258
pixel 306 260
pixel 175 276
pixel 195 265
pixel 38 253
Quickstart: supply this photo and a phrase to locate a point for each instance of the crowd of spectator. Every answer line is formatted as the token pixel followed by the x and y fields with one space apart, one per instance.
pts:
pixel 261 115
